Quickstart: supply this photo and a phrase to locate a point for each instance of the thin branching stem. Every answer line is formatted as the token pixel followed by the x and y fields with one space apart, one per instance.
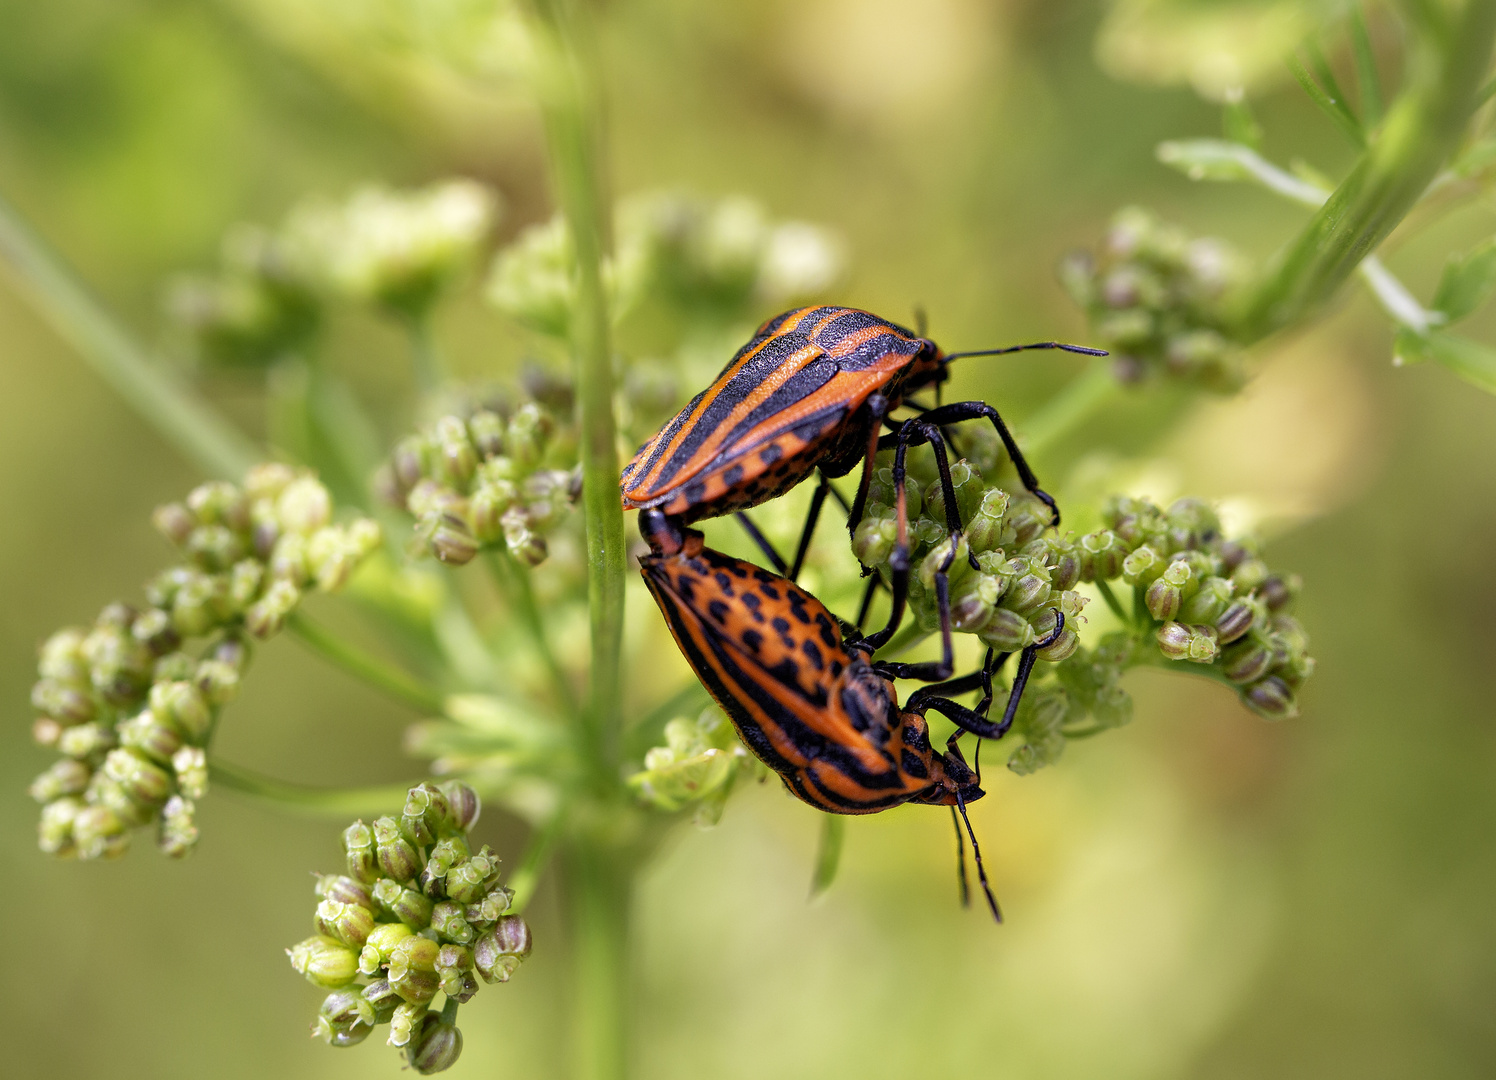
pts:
pixel 322 802
pixel 192 426
pixel 377 673
pixel 519 595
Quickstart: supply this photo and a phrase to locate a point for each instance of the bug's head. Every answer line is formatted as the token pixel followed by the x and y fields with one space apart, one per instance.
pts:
pixel 663 534
pixel 958 778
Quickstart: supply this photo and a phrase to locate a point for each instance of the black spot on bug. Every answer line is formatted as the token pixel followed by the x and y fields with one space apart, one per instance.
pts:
pixel 753 640
pixel 751 601
pixel 781 624
pixel 694 492
pixel 836 669
pixel 911 764
pixel 724 582
pixel 813 654
pixel 770 454
pixel 733 475
pixel 718 610
pixel 769 590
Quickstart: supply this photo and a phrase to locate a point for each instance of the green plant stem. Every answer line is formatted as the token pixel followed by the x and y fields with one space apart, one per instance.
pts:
pixel 427 362
pixel 599 892
pixel 187 422
pixel 514 582
pixel 377 673
pixel 1105 589
pixel 331 802
pixel 572 115
pixel 526 875
pixel 1082 398
pixel 1421 130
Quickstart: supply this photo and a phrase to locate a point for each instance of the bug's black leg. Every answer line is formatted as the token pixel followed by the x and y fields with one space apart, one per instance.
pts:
pixel 963 685
pixel 817 500
pixel 867 599
pixel 961 861
pixel 976 854
pixel 839 497
pixel 877 406
pixel 971 410
pixel 762 541
pixel 1025 666
pixel 898 560
pixel 932 434
pixel 932 669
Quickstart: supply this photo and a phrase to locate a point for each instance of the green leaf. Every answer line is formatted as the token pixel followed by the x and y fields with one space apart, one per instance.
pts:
pixel 1238 122
pixel 828 853
pixel 1410 347
pixel 1468 282
pixel 1470 360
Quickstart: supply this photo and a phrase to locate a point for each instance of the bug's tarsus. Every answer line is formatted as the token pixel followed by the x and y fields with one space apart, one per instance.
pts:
pixel 976 855
pixel 762 541
pixel 961 861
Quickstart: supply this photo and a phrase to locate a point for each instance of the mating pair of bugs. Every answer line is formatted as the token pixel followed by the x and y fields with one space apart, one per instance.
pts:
pixel 814 390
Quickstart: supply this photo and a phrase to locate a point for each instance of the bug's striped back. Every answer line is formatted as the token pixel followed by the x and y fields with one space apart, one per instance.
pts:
pixel 814 712
pixel 776 412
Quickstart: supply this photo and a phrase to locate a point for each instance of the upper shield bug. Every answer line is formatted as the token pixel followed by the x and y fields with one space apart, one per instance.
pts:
pixel 812 390
pixel 807 703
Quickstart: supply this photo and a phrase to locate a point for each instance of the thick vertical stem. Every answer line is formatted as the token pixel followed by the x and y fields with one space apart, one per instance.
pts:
pixel 1445 71
pixel 573 130
pixel 599 886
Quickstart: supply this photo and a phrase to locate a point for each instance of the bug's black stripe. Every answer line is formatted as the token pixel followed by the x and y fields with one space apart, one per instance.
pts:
pixel 662 440
pixel 812 744
pixel 836 798
pixel 728 397
pixel 796 389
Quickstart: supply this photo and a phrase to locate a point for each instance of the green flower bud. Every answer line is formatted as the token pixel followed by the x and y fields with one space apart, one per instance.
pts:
pixel 303 506
pixel 454 958
pixel 397 855
pixel 1101 554
pixel 1246 661
pixel 66 703
pixel 175 522
pixel 349 923
pixel 267 479
pixel 459 986
pixel 379 946
pixel 219 503
pixel 447 920
pixel 1238 618
pixel 344 889
pixel 498 953
pixel 99 832
pixel 525 545
pixel 873 540
pixel 1063 647
pixel 85 740
pixel 426 812
pixel 142 780
pixel 457 458
pixel 526 437
pixel 405 1021
pixel 410 462
pixel 108 792
pixel 987 528
pixel 197 604
pixel 450 539
pixel 214 547
pixel 183 706
pixel 1143 566
pixel 265 618
pixel 1029 588
pixel 490 502
pixel 45 731
pixel 1249 576
pixel 407 905
pixel 119 666
pixel 1194 643
pixel 345 1018
pixel 154 630
pixel 464 882
pixel 1007 631
pixel 54 832
pixel 288 559
pixel 1278 591
pixel 412 969
pixel 487 432
pixel 463 806
pixel 1271 698
pixel 383 1000
pixel 437 1046
pixel 489 909
pixel 1028 518
pixel 174 667
pixel 358 843
pixel 178 834
pixel 65 777
pixel 324 961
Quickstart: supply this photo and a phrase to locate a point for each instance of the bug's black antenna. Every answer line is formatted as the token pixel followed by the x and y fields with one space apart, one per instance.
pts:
pixel 1082 349
pixel 921 320
pixel 976 854
pixel 961 861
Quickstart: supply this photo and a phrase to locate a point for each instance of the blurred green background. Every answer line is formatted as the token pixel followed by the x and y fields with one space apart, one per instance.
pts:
pixel 1202 894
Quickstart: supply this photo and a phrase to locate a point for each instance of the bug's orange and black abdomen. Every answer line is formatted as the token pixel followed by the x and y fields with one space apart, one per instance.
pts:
pixel 780 408
pixel 772 656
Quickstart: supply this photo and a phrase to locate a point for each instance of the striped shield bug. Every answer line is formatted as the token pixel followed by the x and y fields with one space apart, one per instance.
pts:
pixel 808 704
pixel 812 390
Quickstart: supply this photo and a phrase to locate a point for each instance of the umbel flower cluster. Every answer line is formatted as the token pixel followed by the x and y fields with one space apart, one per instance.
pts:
pixel 504 474
pixel 696 768
pixel 417 914
pixel 131 702
pixel 1198 597
pixel 392 251
pixel 1158 299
